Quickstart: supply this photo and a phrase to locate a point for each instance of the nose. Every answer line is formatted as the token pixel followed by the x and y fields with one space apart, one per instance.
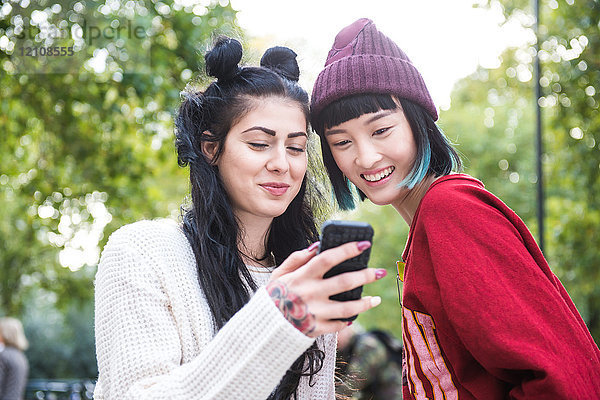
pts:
pixel 278 161
pixel 367 155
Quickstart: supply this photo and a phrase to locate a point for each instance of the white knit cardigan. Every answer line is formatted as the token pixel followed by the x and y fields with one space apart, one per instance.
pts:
pixel 155 338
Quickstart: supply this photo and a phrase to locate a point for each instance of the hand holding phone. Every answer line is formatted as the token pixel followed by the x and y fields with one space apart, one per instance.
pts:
pixel 335 233
pixel 303 286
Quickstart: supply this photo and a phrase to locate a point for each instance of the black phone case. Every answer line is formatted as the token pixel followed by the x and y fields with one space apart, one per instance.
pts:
pixel 335 233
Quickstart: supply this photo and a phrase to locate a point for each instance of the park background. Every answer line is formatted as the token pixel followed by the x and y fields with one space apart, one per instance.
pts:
pixel 88 147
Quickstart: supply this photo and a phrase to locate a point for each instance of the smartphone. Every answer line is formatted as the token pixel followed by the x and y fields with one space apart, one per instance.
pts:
pixel 335 233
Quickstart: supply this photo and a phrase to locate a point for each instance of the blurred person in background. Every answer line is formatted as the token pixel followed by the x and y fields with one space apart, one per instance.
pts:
pixel 14 367
pixel 369 363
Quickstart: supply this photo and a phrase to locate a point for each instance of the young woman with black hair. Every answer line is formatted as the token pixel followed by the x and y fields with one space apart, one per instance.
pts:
pixel 228 305
pixel 484 317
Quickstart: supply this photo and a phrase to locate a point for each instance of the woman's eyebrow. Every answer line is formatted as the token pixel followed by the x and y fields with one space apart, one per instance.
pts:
pixel 296 134
pixel 271 132
pixel 379 115
pixel 261 128
pixel 334 131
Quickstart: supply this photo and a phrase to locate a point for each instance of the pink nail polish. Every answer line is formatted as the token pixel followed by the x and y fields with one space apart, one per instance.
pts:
pixel 313 246
pixel 380 273
pixel 363 245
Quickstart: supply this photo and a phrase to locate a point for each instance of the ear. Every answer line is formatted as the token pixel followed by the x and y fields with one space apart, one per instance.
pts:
pixel 209 148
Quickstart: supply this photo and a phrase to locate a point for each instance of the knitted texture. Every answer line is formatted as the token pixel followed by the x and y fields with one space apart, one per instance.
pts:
pixel 155 338
pixel 364 60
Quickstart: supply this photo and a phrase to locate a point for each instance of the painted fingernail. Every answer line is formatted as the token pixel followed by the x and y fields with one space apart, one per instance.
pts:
pixel 313 246
pixel 363 245
pixel 375 301
pixel 380 273
pixel 349 323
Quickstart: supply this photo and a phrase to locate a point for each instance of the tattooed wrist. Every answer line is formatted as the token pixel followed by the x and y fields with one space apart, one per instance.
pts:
pixel 293 308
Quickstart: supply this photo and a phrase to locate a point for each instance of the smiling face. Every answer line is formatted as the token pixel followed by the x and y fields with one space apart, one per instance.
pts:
pixel 264 158
pixel 376 151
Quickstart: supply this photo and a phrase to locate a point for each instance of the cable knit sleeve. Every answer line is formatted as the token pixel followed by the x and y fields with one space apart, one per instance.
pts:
pixel 143 337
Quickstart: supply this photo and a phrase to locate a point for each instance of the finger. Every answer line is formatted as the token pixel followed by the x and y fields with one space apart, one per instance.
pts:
pixel 350 280
pixel 323 262
pixel 346 309
pixel 295 261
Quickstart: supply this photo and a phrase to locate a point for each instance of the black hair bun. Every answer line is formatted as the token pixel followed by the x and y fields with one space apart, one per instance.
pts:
pixel 222 61
pixel 281 60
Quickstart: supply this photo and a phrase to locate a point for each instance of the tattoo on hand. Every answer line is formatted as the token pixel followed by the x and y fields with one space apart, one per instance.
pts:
pixel 292 307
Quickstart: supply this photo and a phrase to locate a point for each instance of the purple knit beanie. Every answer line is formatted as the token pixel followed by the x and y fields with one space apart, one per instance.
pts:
pixel 364 60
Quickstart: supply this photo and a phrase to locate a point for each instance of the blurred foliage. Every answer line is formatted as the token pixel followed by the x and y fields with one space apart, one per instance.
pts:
pixel 83 153
pixel 492 119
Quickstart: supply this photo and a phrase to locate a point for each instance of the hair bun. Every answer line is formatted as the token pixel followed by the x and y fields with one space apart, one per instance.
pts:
pixel 281 60
pixel 222 61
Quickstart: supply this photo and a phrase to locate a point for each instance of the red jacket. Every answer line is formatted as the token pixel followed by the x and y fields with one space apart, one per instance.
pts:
pixel 484 317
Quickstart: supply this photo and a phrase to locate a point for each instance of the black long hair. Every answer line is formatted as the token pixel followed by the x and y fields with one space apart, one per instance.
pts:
pixel 209 222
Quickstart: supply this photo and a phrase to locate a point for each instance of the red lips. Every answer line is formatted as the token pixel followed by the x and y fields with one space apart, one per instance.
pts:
pixel 275 188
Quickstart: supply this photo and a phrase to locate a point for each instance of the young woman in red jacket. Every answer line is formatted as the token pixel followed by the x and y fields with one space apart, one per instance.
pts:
pixel 484 317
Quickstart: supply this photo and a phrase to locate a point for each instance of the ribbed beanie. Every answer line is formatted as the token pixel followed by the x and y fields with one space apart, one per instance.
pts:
pixel 364 60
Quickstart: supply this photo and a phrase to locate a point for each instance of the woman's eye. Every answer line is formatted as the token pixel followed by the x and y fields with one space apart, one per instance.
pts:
pixel 296 149
pixel 380 131
pixel 341 143
pixel 258 145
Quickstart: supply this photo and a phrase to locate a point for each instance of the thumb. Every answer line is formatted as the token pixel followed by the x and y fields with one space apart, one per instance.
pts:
pixel 295 261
